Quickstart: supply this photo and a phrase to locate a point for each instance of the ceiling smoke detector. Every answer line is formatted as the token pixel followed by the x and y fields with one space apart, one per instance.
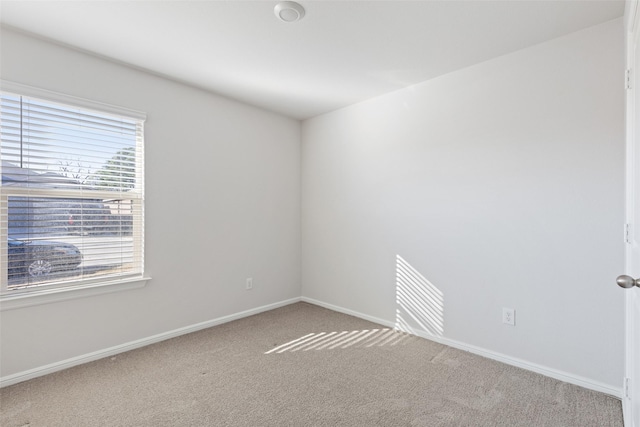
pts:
pixel 289 11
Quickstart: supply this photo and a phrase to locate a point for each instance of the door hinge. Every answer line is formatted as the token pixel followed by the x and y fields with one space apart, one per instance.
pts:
pixel 627 78
pixel 627 233
pixel 627 387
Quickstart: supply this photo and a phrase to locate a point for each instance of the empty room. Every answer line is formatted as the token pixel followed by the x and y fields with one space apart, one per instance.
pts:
pixel 320 213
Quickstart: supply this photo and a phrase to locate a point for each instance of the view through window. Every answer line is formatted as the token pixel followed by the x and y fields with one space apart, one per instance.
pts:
pixel 71 197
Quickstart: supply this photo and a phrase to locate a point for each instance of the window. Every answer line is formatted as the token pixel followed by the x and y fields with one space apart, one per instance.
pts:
pixel 72 193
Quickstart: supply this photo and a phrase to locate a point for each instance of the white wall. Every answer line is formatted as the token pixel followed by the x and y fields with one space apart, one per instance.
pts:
pixel 222 204
pixel 502 185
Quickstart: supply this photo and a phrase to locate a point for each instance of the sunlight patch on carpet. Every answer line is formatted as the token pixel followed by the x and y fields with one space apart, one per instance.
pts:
pixel 340 340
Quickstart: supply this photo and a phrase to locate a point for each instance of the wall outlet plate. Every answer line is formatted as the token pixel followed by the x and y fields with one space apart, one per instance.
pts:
pixel 509 316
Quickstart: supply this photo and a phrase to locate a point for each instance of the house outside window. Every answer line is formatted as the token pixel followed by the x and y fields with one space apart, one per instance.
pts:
pixel 72 192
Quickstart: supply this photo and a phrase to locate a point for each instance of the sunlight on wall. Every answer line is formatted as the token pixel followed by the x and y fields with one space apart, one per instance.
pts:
pixel 345 339
pixel 420 303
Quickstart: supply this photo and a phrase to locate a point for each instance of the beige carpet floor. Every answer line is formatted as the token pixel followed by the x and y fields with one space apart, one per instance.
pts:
pixel 301 365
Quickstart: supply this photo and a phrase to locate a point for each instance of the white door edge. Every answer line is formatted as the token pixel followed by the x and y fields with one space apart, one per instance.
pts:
pixel 631 380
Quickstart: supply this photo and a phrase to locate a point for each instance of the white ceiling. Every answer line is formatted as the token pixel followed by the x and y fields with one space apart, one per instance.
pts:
pixel 342 52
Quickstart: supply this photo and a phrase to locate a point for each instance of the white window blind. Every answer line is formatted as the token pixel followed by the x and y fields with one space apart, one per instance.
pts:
pixel 71 197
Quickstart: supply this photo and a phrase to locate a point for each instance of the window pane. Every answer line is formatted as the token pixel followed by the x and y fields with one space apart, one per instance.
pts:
pixel 48 145
pixel 71 194
pixel 53 239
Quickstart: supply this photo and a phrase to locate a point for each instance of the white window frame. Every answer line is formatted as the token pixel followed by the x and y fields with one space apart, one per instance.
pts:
pixel 12 299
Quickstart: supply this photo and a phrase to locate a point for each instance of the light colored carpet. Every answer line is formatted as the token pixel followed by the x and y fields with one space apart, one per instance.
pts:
pixel 301 365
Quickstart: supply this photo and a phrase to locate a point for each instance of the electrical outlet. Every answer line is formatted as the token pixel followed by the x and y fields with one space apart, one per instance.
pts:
pixel 249 283
pixel 509 316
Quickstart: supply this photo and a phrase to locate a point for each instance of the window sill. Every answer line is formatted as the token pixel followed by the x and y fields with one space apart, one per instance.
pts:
pixel 11 302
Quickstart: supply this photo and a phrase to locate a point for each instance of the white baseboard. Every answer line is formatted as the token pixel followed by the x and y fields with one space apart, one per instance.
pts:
pixel 543 370
pixel 89 357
